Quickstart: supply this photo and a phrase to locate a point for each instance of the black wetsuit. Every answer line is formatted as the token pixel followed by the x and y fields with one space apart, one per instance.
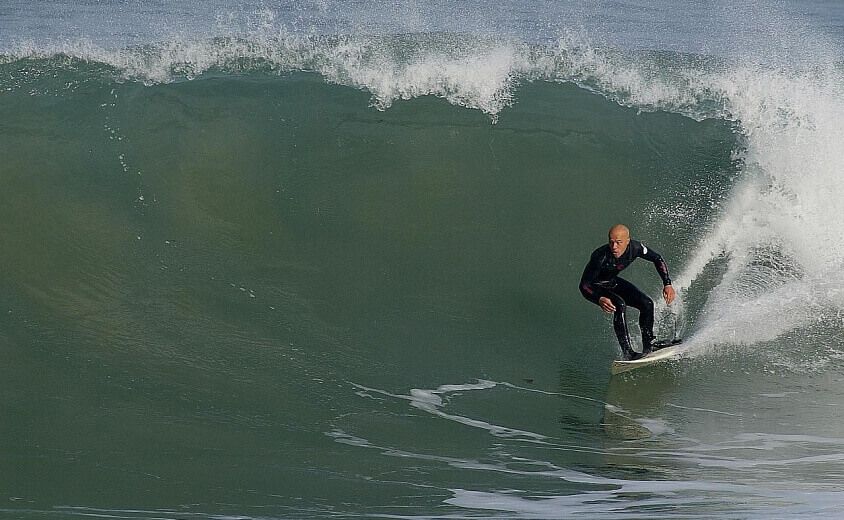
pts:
pixel 600 278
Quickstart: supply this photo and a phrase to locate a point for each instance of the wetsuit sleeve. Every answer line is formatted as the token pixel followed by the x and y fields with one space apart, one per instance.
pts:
pixel 661 267
pixel 591 272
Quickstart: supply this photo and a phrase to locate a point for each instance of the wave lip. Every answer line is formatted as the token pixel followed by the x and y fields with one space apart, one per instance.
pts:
pixel 471 71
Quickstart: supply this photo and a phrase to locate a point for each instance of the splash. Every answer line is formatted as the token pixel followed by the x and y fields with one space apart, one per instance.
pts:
pixel 777 235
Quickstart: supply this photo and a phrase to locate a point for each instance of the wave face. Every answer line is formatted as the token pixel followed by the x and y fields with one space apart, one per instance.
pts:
pixel 289 262
pixel 783 157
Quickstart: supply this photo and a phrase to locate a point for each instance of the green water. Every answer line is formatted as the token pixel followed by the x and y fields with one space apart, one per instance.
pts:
pixel 218 297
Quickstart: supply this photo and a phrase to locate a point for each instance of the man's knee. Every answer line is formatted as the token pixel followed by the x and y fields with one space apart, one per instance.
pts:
pixel 643 303
pixel 620 305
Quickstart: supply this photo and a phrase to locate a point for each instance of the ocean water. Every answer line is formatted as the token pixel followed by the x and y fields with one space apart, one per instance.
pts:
pixel 320 259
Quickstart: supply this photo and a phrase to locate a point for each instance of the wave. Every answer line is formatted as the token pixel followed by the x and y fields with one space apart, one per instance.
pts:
pixel 470 71
pixel 772 241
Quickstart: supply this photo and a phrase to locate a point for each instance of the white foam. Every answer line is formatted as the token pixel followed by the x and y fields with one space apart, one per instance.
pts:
pixel 431 401
pixel 697 499
pixel 778 235
pixel 467 71
pixel 544 469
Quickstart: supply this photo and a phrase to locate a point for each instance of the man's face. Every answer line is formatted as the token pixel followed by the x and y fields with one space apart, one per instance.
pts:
pixel 618 242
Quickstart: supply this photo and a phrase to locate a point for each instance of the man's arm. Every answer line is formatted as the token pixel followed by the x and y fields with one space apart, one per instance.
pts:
pixel 588 289
pixel 661 268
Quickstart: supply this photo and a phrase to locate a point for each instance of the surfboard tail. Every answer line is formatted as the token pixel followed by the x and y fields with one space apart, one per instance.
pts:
pixel 663 354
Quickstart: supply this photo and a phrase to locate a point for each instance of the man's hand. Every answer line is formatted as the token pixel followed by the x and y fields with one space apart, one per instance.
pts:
pixel 606 304
pixel 669 294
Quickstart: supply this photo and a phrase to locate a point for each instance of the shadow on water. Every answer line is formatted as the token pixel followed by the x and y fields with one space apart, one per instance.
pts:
pixel 634 396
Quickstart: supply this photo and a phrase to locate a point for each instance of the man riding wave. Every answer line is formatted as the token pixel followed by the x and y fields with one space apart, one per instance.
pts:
pixel 601 285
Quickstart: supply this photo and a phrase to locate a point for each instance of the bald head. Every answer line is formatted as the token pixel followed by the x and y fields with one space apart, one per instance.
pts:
pixel 619 236
pixel 619 229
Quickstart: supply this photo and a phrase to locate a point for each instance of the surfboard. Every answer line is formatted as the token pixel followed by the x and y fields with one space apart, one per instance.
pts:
pixel 656 356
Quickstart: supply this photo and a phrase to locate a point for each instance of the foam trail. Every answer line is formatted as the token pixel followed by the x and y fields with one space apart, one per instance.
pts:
pixel 431 401
pixel 778 235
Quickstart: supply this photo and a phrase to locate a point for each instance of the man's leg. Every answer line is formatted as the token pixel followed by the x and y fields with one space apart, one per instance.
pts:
pixel 645 305
pixel 619 323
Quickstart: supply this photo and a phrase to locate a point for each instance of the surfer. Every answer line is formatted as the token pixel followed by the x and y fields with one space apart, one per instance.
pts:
pixel 601 285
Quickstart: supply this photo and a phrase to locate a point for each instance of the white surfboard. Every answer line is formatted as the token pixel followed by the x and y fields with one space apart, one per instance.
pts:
pixel 618 367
